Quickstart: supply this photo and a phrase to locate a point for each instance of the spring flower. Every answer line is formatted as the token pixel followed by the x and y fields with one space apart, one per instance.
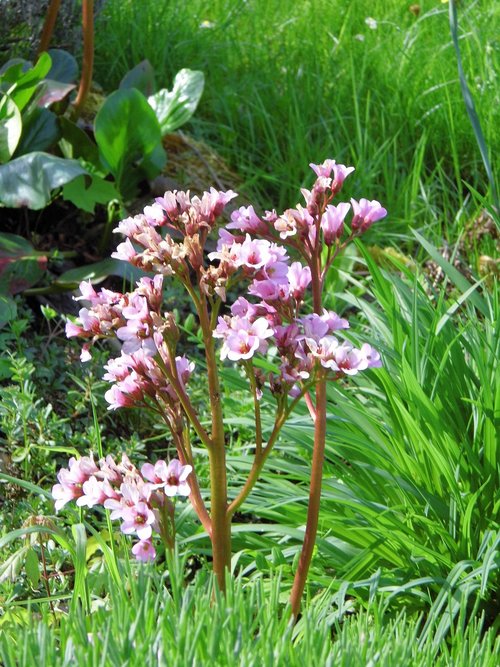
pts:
pixel 144 551
pixel 332 222
pixel 365 214
pixel 246 220
pixel 299 278
pixel 171 478
pixel 137 519
pixel 72 479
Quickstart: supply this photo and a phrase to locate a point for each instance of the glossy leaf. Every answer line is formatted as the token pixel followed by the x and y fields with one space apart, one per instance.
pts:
pixel 27 83
pixel 141 77
pixel 127 133
pixel 40 132
pixel 30 179
pixel 10 127
pixel 98 271
pixel 174 108
pixel 76 143
pixel 53 91
pixel 64 66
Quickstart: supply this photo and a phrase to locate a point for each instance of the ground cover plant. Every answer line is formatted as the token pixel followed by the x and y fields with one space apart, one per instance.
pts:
pixel 405 563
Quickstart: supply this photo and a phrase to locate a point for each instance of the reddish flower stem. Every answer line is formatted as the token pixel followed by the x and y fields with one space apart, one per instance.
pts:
pixel 88 55
pixel 48 26
pixel 318 450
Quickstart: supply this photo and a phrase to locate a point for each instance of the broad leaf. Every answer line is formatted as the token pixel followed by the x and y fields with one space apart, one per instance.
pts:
pixel 174 108
pixel 64 66
pixel 27 83
pixel 10 127
pixel 21 266
pixel 86 195
pixel 127 132
pixel 141 77
pixel 30 179
pixel 12 69
pixel 98 271
pixel 76 143
pixel 53 91
pixel 40 132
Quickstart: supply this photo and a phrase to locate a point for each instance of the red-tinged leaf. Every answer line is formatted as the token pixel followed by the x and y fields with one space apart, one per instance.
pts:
pixel 21 266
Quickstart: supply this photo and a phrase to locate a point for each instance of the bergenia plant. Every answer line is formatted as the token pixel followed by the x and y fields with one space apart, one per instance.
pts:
pixel 283 259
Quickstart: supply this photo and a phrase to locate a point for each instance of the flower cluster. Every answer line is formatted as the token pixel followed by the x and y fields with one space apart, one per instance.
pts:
pixel 282 259
pixel 138 498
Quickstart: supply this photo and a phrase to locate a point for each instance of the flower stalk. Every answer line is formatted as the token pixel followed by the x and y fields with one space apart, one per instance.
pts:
pixel 306 350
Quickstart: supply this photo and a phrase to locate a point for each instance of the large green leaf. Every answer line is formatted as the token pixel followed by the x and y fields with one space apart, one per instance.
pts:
pixel 98 271
pixel 85 195
pixel 10 127
pixel 174 108
pixel 30 179
pixel 24 84
pixel 76 143
pixel 64 67
pixel 141 77
pixel 127 133
pixel 40 132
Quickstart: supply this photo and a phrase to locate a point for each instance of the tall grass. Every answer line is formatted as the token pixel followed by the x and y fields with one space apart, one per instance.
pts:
pixel 289 83
pixel 194 625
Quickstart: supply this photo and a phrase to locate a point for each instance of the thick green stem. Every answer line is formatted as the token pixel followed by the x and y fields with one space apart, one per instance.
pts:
pixel 221 520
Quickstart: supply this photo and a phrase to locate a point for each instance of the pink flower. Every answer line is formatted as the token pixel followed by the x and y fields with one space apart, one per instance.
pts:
pixel 299 278
pixel 137 519
pixel 154 215
pixel 72 479
pixel 340 173
pixel 372 356
pixel 323 170
pixel 246 220
pixel 73 329
pixel 242 338
pixel 324 349
pixel 125 251
pixel 347 360
pixel 126 394
pixel 366 213
pixel 96 492
pixel 332 222
pixel 171 478
pixel 144 551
